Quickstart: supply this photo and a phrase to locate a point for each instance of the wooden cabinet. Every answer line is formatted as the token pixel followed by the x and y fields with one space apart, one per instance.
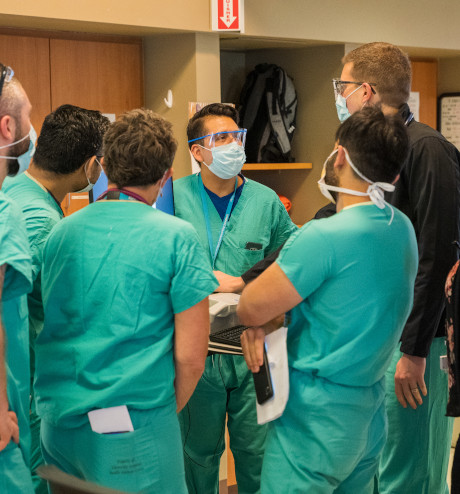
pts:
pixel 425 81
pixel 98 74
pixel 29 58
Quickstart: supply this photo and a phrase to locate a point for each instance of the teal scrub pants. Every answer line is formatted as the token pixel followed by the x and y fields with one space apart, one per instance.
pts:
pixel 150 459
pixel 328 439
pixel 416 456
pixel 226 387
pixel 36 458
pixel 14 474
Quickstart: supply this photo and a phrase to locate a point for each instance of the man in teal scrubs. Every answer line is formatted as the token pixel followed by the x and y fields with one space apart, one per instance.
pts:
pixel 239 222
pixel 66 160
pixel 416 456
pixel 348 283
pixel 125 290
pixel 16 147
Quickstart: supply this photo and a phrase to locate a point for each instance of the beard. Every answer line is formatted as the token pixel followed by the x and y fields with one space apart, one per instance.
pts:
pixel 331 178
pixel 16 150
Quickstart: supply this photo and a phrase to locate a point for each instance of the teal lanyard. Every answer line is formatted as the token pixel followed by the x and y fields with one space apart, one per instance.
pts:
pixel 208 222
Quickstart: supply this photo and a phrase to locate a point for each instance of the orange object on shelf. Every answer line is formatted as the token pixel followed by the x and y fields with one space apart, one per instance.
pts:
pixel 286 202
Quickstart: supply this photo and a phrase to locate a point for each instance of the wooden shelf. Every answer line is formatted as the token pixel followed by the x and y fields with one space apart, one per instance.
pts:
pixel 277 166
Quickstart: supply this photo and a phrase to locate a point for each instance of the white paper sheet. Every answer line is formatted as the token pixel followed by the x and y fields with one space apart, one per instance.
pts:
pixel 109 420
pixel 278 362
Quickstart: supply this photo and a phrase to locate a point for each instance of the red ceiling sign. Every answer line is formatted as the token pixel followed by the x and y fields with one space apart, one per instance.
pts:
pixel 227 15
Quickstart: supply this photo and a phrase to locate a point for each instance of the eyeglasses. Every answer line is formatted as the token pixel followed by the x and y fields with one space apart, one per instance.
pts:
pixel 6 76
pixel 339 86
pixel 221 138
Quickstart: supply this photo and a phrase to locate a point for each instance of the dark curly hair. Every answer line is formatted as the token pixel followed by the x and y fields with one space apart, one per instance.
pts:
pixel 377 144
pixel 70 136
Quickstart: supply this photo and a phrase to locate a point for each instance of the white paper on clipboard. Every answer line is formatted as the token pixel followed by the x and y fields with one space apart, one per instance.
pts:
pixel 275 344
pixel 449 118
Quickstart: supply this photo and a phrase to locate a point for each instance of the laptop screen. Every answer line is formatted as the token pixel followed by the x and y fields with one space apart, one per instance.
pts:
pixel 164 203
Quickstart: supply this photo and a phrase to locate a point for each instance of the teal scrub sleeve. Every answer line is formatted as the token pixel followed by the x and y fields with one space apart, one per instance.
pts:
pixel 307 259
pixel 193 278
pixel 282 227
pixel 14 250
pixel 37 239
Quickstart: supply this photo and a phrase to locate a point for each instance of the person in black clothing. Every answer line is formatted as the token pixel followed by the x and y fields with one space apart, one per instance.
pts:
pixel 452 290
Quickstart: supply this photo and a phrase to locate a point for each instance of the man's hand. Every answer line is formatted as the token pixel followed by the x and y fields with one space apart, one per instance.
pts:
pixel 8 429
pixel 252 342
pixel 229 284
pixel 409 380
pixel 253 339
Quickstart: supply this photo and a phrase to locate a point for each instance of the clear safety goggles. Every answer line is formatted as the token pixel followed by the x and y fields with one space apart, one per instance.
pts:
pixel 6 76
pixel 340 86
pixel 221 138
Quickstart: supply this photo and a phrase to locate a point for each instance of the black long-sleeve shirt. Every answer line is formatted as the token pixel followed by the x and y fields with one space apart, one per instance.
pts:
pixel 428 192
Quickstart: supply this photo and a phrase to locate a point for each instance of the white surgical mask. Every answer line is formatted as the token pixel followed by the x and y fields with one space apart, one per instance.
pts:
pixel 227 160
pixel 23 159
pixel 341 104
pixel 375 191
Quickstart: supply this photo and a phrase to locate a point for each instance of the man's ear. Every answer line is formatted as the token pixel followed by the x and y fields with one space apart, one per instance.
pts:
pixel 197 153
pixel 92 164
pixel 341 158
pixel 93 170
pixel 7 128
pixel 367 94
pixel 168 174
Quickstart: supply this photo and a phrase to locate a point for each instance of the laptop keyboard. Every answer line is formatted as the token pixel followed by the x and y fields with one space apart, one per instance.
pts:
pixel 229 335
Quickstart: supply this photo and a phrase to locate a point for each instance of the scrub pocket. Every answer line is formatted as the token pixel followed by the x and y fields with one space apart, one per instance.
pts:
pixel 147 460
pixel 247 258
pixel 128 461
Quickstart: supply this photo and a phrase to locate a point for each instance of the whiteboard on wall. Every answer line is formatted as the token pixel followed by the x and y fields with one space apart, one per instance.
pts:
pixel 449 117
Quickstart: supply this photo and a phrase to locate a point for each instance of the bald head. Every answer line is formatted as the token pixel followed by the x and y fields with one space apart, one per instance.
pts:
pixel 12 99
pixel 15 123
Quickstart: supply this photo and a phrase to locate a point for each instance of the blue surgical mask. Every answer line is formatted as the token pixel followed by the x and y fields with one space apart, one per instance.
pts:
pixel 90 184
pixel 341 105
pixel 24 159
pixel 227 160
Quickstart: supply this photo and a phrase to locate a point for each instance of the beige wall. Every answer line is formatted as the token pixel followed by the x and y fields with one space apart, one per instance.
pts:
pixel 410 23
pixel 449 75
pixel 189 65
pixel 312 70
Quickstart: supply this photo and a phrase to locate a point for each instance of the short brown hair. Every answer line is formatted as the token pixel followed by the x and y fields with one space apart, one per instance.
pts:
pixel 196 125
pixel 387 66
pixel 139 147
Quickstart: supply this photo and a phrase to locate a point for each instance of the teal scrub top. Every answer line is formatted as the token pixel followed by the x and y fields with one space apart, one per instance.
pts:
pixel 259 218
pixel 113 276
pixel 15 254
pixel 355 273
pixel 41 212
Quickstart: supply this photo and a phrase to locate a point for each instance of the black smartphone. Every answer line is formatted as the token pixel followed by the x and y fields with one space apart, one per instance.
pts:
pixel 263 382
pixel 253 246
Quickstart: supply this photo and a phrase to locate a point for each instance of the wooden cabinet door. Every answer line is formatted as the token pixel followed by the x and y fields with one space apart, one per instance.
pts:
pixel 425 81
pixel 97 75
pixel 29 58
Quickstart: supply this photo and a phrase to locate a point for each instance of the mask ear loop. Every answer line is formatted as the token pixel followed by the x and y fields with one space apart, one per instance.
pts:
pixel 375 190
